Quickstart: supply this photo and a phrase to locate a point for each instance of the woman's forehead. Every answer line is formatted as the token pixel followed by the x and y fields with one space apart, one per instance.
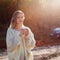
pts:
pixel 18 15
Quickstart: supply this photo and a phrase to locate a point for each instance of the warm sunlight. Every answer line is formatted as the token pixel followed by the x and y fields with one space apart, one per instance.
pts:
pixel 50 3
pixel 41 24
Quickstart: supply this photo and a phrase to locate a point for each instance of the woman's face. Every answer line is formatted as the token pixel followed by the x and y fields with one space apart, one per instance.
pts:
pixel 19 18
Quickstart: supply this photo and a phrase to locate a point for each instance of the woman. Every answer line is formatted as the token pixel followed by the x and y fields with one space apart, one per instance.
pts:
pixel 19 39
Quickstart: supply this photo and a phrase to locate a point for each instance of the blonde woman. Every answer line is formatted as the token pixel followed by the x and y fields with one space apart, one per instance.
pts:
pixel 19 39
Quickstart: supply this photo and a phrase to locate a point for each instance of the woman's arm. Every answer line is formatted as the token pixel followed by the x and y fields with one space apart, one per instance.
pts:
pixel 31 41
pixel 10 42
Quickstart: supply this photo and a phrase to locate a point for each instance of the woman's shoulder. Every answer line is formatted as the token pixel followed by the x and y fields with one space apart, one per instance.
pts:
pixel 30 31
pixel 10 30
pixel 26 27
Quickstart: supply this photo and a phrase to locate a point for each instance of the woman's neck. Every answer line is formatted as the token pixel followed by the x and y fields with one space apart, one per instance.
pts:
pixel 18 27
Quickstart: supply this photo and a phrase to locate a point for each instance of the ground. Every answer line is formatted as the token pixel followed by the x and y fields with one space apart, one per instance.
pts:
pixel 40 53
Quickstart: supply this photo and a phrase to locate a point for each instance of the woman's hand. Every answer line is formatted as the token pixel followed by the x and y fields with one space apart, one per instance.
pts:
pixel 24 33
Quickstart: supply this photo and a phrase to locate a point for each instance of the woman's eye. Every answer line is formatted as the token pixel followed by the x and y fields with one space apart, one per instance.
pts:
pixel 18 17
pixel 21 16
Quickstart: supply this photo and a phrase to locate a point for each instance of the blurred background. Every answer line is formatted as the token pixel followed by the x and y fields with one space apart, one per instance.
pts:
pixel 42 16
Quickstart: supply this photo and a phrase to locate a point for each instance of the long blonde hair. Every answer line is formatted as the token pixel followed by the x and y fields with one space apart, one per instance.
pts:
pixel 14 17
